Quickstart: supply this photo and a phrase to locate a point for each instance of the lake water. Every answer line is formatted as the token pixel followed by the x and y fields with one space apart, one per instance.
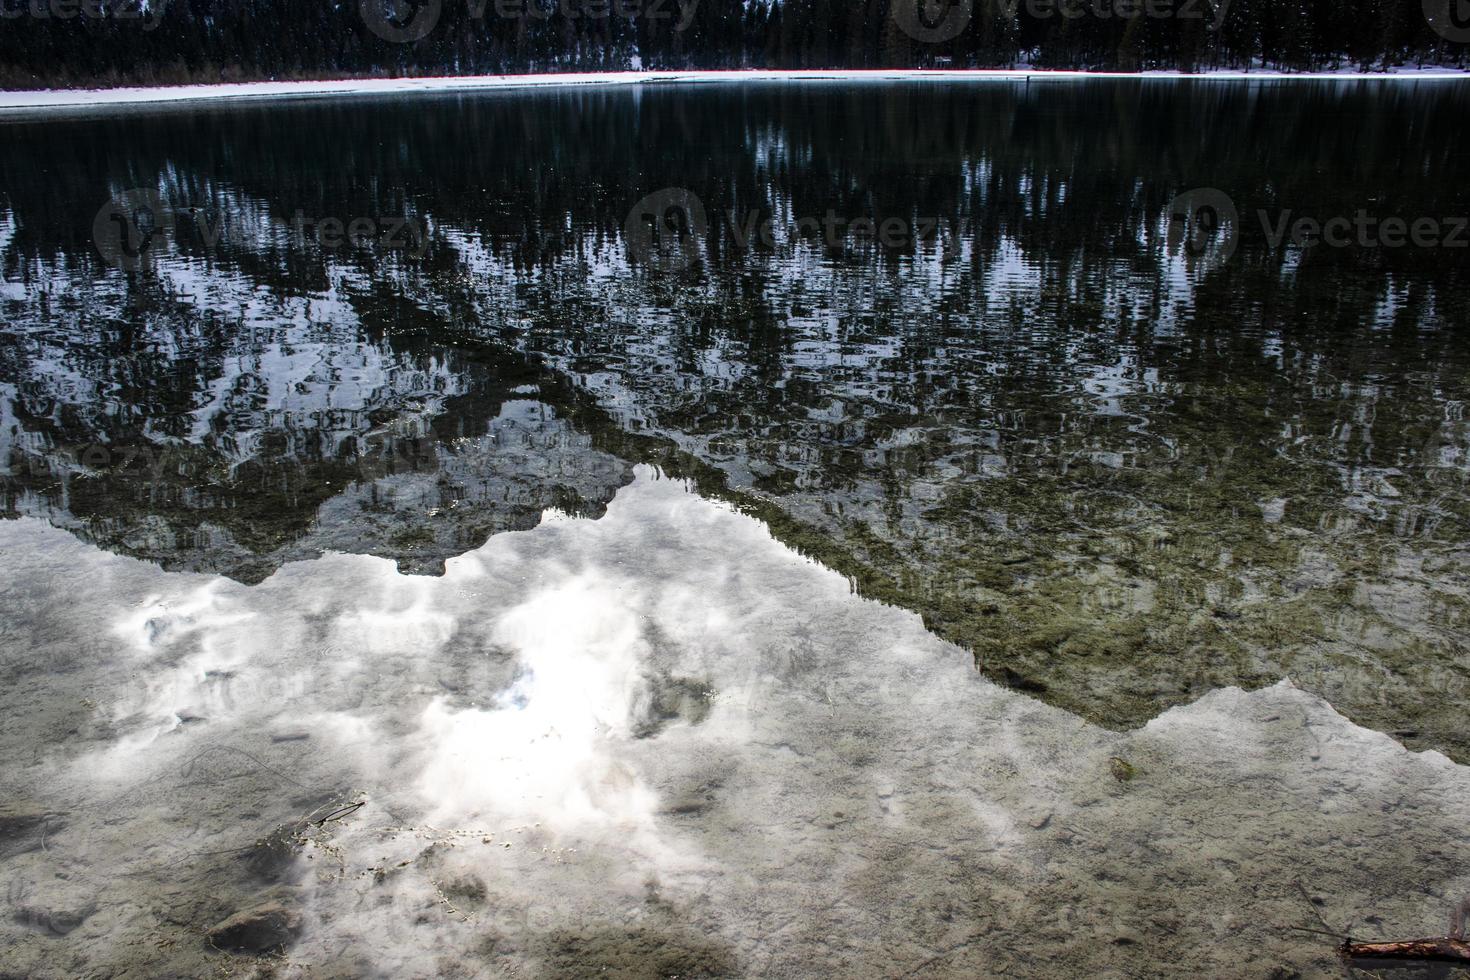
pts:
pixel 761 530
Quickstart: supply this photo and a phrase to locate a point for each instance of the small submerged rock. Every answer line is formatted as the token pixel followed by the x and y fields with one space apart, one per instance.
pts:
pixel 57 919
pixel 21 828
pixel 258 930
pixel 52 906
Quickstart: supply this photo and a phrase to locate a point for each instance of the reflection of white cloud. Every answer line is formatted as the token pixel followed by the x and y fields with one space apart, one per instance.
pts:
pixel 409 628
pixel 162 621
pixel 542 752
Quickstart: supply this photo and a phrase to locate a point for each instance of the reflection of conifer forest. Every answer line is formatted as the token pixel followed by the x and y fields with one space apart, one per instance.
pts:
pixel 1120 479
pixel 210 41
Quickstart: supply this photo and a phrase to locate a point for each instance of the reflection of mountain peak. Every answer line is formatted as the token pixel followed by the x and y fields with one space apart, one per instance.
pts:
pixel 289 443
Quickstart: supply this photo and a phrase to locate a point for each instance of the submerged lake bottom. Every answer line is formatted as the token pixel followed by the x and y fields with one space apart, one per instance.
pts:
pixel 659 743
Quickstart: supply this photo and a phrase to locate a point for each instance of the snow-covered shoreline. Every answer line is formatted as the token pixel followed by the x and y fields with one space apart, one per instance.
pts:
pixel 26 102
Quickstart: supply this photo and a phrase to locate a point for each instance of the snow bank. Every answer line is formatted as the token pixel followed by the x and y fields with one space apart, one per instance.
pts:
pixel 82 99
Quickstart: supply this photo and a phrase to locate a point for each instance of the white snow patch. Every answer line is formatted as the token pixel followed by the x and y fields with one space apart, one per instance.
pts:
pixel 30 101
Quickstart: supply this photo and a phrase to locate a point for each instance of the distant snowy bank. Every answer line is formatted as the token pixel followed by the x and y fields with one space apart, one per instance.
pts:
pixel 14 102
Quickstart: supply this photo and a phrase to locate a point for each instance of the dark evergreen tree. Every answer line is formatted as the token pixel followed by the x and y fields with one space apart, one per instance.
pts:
pixel 194 41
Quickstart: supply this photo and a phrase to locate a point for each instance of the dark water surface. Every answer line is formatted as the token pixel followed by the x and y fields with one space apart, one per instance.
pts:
pixel 1120 476
pixel 1124 467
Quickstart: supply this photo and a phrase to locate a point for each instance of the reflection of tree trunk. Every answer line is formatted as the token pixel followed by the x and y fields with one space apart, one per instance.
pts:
pixel 1446 949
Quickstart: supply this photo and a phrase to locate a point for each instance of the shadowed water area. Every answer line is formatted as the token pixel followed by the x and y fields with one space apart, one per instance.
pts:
pixel 1024 590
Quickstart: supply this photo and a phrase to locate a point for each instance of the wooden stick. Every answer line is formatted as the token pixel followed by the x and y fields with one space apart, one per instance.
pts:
pixel 1444 949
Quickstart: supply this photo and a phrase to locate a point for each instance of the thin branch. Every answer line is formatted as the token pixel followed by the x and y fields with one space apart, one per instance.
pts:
pixel 1340 934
